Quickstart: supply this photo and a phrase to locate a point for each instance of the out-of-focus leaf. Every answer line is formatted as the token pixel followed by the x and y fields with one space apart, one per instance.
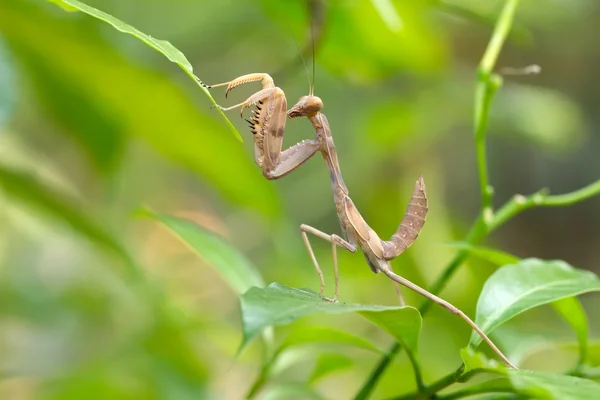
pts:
pixel 328 364
pixel 322 334
pixel 28 191
pixel 416 45
pixel 8 89
pixel 494 256
pixel 403 324
pixel 280 305
pixel 93 127
pixel 146 105
pixel 519 287
pixel 545 117
pixel 235 269
pixel 572 311
pixel 162 46
pixel 290 391
pixel 545 385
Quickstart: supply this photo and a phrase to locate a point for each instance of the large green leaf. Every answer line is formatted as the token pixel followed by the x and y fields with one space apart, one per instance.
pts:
pixel 162 46
pixel 570 309
pixel 519 287
pixel 140 102
pixel 237 271
pixel 280 305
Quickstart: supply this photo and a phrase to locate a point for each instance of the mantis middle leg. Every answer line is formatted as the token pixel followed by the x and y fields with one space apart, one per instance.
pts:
pixel 335 241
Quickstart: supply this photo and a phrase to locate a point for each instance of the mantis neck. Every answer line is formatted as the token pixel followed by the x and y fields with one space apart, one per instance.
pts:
pixel 323 133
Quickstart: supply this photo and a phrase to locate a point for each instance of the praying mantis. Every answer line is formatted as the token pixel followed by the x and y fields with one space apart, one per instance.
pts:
pixel 268 125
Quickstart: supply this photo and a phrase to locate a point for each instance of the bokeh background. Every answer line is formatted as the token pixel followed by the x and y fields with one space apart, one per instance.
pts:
pixel 107 126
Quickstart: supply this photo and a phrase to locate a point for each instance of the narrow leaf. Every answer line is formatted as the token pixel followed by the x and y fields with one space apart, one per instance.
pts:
pixel 280 305
pixel 519 287
pixel 162 46
pixel 235 269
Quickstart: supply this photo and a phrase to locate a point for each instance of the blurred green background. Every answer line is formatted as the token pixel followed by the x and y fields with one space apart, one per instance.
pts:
pixel 94 125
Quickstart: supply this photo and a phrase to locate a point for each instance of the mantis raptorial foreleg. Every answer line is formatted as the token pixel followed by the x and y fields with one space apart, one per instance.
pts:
pixel 268 126
pixel 335 241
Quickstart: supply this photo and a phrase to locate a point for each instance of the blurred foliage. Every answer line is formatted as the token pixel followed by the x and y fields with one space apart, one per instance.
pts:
pixel 95 303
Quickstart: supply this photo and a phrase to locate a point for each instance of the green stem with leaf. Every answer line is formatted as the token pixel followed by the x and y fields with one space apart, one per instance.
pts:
pixel 487 221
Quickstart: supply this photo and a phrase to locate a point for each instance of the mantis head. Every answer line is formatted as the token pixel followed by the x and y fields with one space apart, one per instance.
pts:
pixel 307 106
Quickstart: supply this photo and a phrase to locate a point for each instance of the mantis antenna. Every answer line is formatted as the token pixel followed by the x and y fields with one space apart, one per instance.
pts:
pixel 312 39
pixel 310 83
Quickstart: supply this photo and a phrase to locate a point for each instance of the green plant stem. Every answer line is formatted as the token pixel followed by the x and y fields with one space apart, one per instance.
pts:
pixel 417 370
pixel 262 378
pixel 487 85
pixel 441 384
pixel 486 88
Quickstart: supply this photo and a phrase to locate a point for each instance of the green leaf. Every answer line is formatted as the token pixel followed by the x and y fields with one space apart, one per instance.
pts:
pixel 403 324
pixel 162 46
pixel 328 364
pixel 235 269
pixel 280 305
pixel 519 287
pixel 494 256
pixel 539 385
pixel 474 360
pixel 322 334
pixel 571 310
pixel 545 385
pixel 418 45
pixel 28 191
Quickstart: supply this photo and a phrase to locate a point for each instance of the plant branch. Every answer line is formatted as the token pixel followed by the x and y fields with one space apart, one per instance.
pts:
pixel 486 87
pixel 441 384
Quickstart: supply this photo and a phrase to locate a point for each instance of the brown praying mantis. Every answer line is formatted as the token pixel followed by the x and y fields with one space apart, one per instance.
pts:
pixel 268 125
